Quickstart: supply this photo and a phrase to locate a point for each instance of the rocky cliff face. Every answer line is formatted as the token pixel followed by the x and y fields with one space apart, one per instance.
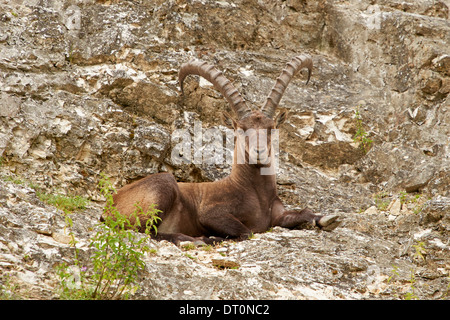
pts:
pixel 91 86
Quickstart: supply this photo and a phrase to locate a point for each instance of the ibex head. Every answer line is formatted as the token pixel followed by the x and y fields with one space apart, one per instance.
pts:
pixel 250 124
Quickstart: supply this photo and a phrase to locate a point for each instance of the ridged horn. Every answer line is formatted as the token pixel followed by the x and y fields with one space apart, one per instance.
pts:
pixel 220 82
pixel 292 68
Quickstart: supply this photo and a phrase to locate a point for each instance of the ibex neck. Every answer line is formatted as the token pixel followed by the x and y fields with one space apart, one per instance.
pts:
pixel 246 174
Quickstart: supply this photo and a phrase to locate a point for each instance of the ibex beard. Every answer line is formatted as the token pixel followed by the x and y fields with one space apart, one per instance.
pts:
pixel 246 201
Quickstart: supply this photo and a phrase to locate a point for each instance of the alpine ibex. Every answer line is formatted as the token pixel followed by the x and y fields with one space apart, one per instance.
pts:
pixel 243 203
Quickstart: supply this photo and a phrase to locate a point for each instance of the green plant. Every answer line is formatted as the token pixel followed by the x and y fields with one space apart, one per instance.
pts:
pixel 207 248
pixel 394 273
pixel 15 180
pixel 381 204
pixel 118 255
pixel 7 289
pixel 188 246
pixel 119 249
pixel 361 136
pixel 411 295
pixel 190 256
pixel 416 201
pixel 69 56
pixel 403 196
pixel 68 204
pixel 74 283
pixel 420 250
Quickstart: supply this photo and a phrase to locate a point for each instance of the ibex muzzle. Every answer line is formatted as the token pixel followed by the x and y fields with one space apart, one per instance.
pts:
pixel 246 201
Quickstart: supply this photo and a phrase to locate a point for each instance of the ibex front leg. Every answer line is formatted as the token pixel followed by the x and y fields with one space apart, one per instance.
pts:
pixel 302 219
pixel 218 222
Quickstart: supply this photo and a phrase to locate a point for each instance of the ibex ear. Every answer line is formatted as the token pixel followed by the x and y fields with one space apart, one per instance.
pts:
pixel 280 118
pixel 228 121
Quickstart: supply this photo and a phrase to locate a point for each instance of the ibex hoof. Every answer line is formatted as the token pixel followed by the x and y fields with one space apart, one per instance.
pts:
pixel 329 223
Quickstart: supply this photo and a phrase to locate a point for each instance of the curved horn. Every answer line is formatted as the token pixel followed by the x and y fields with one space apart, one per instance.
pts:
pixel 291 69
pixel 219 81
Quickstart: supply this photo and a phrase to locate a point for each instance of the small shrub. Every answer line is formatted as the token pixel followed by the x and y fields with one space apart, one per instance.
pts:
pixel 361 136
pixel 411 294
pixel 420 251
pixel 118 255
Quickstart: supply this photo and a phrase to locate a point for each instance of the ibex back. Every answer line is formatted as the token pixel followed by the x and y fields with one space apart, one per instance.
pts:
pixel 243 203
